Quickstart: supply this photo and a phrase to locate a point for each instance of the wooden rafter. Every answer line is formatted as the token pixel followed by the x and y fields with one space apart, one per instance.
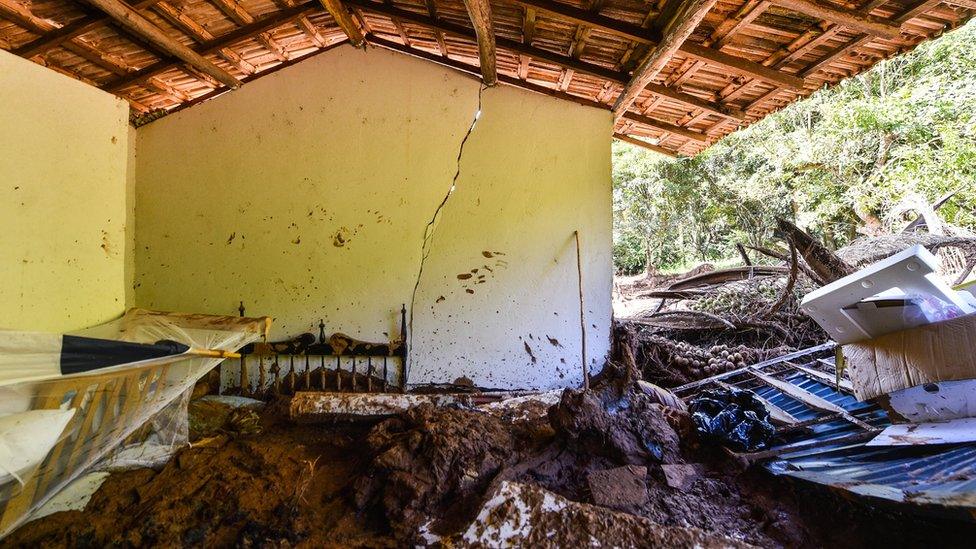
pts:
pixel 564 61
pixel 246 32
pixel 476 71
pixel 57 37
pixel 137 24
pixel 913 11
pixel 344 20
pixel 644 144
pixel 665 127
pixel 239 14
pixel 200 34
pixel 432 12
pixel 479 12
pixel 707 90
pixel 867 24
pixel 678 29
pixel 711 56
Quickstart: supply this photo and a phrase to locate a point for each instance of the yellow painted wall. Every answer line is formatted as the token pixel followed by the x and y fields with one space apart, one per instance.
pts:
pixel 306 193
pixel 63 148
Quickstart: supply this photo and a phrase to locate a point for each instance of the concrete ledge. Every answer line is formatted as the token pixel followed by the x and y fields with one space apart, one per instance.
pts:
pixel 314 407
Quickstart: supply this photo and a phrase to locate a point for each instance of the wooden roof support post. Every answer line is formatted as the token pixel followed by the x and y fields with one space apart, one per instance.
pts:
pixel 344 20
pixel 868 24
pixel 479 11
pixel 677 30
pixel 142 27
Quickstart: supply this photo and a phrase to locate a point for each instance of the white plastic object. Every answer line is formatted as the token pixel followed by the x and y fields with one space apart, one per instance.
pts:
pixel 909 272
pixel 26 438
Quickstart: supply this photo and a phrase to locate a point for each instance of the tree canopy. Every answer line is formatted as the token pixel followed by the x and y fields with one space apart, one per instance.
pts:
pixel 863 157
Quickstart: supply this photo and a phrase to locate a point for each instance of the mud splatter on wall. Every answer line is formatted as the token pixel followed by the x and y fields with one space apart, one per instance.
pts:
pixel 283 161
pixel 62 200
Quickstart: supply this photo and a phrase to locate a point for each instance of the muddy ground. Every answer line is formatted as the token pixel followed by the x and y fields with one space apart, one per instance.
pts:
pixel 382 483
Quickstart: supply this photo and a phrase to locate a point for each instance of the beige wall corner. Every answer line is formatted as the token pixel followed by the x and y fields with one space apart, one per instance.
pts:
pixel 129 267
pixel 306 195
pixel 62 218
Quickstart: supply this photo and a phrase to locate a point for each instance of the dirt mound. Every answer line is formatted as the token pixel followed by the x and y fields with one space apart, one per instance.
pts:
pixel 283 487
pixel 628 427
pixel 431 459
pixel 428 473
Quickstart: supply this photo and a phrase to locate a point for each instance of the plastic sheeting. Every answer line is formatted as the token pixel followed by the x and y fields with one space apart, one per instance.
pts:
pixel 55 426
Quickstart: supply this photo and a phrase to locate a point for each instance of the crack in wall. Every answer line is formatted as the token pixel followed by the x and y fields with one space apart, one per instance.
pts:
pixel 431 227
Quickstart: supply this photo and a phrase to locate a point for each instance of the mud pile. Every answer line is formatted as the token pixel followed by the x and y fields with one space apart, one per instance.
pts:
pixel 427 476
pixel 431 460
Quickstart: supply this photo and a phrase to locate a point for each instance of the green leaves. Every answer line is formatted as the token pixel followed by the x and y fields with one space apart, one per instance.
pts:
pixel 846 157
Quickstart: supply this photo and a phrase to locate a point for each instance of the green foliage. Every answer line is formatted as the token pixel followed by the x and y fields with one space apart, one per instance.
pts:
pixel 863 154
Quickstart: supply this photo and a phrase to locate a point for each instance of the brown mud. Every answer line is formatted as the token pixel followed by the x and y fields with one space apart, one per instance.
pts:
pixel 429 470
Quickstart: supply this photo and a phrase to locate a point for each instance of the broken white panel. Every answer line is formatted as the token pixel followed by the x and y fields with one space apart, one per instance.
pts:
pixel 920 434
pixel 909 273
pixel 74 497
pixel 936 401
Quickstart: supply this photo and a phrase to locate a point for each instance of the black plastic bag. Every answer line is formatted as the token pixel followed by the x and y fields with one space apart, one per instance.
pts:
pixel 735 418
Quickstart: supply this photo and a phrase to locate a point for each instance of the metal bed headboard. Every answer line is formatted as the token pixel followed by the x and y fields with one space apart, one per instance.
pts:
pixel 309 362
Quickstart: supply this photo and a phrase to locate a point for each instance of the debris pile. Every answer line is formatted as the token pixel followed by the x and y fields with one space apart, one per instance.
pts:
pixel 614 464
pixel 708 322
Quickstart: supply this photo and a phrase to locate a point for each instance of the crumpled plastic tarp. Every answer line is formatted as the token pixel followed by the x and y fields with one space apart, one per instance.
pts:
pixel 735 418
pixel 54 426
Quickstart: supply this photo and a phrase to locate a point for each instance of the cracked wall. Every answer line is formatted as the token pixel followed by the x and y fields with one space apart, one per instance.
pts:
pixel 62 218
pixel 306 194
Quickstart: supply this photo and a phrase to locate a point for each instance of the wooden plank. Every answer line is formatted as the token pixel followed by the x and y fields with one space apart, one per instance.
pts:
pixel 479 12
pixel 199 33
pixel 742 66
pixel 244 33
pixel 665 126
pixel 139 25
pixel 797 393
pixel 67 32
pixel 641 143
pixel 528 51
pixel 692 101
pixel 678 29
pixel 476 71
pixel 913 11
pixel 344 20
pixel 845 384
pixel 867 24
pixel 711 56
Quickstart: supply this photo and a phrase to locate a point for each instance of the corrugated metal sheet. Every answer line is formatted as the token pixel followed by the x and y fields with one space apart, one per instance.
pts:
pixel 829 448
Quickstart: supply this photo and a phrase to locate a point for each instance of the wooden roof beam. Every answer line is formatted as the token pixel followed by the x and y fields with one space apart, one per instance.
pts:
pixel 678 29
pixel 916 9
pixel 237 13
pixel 867 24
pixel 664 127
pixel 711 56
pixel 139 25
pixel 479 11
pixel 198 32
pixel 247 32
pixel 549 57
pixel 476 71
pixel 77 28
pixel 641 143
pixel 344 19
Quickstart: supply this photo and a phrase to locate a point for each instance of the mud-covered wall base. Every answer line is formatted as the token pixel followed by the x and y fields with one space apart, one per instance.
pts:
pixel 306 194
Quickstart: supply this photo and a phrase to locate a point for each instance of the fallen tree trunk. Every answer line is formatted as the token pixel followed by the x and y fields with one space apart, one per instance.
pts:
pixel 828 266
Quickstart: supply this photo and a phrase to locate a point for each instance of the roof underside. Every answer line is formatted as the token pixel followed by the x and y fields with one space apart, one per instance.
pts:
pixel 744 60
